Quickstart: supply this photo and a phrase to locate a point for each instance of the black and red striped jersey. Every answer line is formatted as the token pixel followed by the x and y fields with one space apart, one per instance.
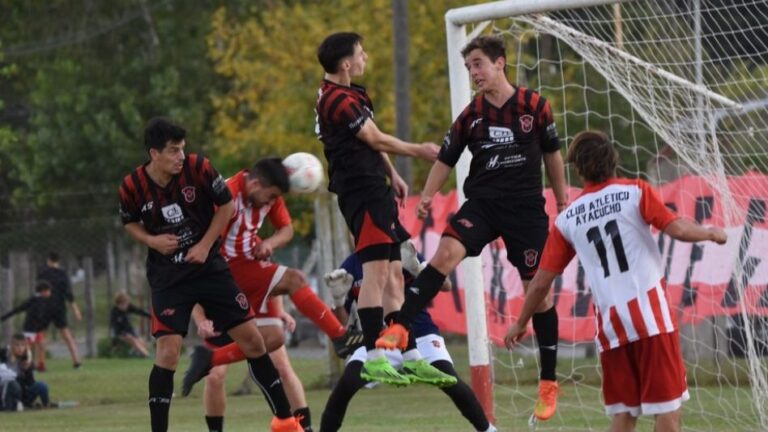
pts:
pixel 341 112
pixel 506 143
pixel 184 207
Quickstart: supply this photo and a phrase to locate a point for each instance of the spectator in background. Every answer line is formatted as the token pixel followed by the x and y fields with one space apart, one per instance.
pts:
pixel 37 317
pixel 10 390
pixel 61 294
pixel 20 361
pixel 120 324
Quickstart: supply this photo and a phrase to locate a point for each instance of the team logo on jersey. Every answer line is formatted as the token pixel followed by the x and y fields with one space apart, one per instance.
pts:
pixel 530 257
pixel 493 163
pixel 172 213
pixel 242 301
pixel 526 123
pixel 501 135
pixel 189 194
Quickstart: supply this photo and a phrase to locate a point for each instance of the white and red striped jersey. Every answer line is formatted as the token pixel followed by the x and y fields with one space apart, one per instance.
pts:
pixel 608 227
pixel 240 238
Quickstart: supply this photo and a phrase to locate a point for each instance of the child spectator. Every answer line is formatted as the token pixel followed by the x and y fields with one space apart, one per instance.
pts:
pixel 20 361
pixel 37 317
pixel 120 323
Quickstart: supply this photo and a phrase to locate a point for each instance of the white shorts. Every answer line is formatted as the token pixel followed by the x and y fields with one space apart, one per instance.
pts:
pixel 431 347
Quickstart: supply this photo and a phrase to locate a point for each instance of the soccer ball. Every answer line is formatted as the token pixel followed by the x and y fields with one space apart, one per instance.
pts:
pixel 305 172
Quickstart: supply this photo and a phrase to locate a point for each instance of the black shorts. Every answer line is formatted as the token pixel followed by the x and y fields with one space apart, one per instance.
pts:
pixel 372 217
pixel 57 314
pixel 521 223
pixel 216 292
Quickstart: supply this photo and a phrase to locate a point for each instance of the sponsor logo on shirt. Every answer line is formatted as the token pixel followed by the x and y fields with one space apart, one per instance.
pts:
pixel 147 206
pixel 501 135
pixel 172 213
pixel 493 163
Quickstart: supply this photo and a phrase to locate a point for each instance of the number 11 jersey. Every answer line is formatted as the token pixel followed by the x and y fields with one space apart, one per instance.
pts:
pixel 608 227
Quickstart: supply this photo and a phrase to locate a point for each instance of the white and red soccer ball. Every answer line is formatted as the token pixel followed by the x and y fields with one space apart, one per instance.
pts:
pixel 305 172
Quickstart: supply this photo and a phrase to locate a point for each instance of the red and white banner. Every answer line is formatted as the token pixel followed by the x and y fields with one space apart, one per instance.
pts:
pixel 700 277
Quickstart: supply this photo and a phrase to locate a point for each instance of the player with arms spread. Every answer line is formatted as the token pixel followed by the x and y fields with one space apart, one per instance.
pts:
pixel 509 130
pixel 178 206
pixel 607 226
pixel 358 167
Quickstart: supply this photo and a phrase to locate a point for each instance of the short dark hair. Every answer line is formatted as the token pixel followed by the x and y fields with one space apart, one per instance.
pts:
pixel 335 47
pixel 53 257
pixel 19 337
pixel 43 285
pixel 159 131
pixel 271 172
pixel 593 155
pixel 492 46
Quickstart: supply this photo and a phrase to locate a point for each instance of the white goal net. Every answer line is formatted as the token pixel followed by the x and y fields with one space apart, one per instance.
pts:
pixel 682 88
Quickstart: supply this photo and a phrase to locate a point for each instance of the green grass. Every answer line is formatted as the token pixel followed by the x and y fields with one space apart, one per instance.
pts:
pixel 112 395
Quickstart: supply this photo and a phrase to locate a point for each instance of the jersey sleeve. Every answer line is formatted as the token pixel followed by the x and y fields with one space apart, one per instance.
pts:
pixel 129 210
pixel 213 183
pixel 278 214
pixel 549 140
pixel 454 141
pixel 558 252
pixel 652 208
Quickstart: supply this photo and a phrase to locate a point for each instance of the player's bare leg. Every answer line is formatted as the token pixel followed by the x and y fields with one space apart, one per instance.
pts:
pixel 623 422
pixel 545 327
pixel 376 367
pixel 294 284
pixel 669 422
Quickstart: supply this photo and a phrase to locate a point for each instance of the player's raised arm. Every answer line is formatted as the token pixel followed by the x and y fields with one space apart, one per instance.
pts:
pixel 385 142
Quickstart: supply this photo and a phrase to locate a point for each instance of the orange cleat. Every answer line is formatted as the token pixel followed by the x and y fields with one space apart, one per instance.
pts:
pixel 393 337
pixel 547 403
pixel 290 424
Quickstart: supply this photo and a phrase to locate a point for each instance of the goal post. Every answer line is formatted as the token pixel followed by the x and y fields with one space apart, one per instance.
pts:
pixel 697 106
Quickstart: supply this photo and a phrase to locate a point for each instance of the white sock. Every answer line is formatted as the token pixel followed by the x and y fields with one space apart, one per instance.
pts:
pixel 375 353
pixel 413 354
pixel 491 428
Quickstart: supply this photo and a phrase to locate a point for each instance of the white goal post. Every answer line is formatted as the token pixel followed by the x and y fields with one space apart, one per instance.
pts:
pixel 701 106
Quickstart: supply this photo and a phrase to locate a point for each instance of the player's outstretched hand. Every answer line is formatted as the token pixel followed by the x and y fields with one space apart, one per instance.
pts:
pixel 514 334
pixel 718 235
pixel 205 330
pixel 428 151
pixel 339 282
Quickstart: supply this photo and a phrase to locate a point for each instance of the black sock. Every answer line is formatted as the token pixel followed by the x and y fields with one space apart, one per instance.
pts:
pixel 421 291
pixel 215 424
pixel 305 418
pixel 336 407
pixel 371 320
pixel 264 373
pixel 160 392
pixel 463 397
pixel 545 327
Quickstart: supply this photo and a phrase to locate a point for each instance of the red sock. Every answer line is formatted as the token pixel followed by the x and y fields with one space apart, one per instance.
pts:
pixel 227 354
pixel 310 305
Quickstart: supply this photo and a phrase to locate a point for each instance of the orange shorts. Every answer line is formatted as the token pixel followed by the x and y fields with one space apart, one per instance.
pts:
pixel 644 377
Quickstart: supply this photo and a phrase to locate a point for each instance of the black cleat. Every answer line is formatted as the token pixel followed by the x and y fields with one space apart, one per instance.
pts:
pixel 347 344
pixel 199 366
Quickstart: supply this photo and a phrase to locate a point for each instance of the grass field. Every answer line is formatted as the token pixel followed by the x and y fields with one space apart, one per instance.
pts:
pixel 112 395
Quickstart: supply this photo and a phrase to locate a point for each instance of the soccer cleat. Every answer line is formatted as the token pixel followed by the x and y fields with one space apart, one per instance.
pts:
pixel 547 403
pixel 393 337
pixel 380 370
pixel 199 366
pixel 423 372
pixel 290 424
pixel 347 343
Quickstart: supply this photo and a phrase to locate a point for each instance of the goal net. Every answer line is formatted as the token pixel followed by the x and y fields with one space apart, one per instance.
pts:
pixel 682 88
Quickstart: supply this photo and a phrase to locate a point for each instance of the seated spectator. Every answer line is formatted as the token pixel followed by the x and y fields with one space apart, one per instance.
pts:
pixel 10 390
pixel 20 361
pixel 120 323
